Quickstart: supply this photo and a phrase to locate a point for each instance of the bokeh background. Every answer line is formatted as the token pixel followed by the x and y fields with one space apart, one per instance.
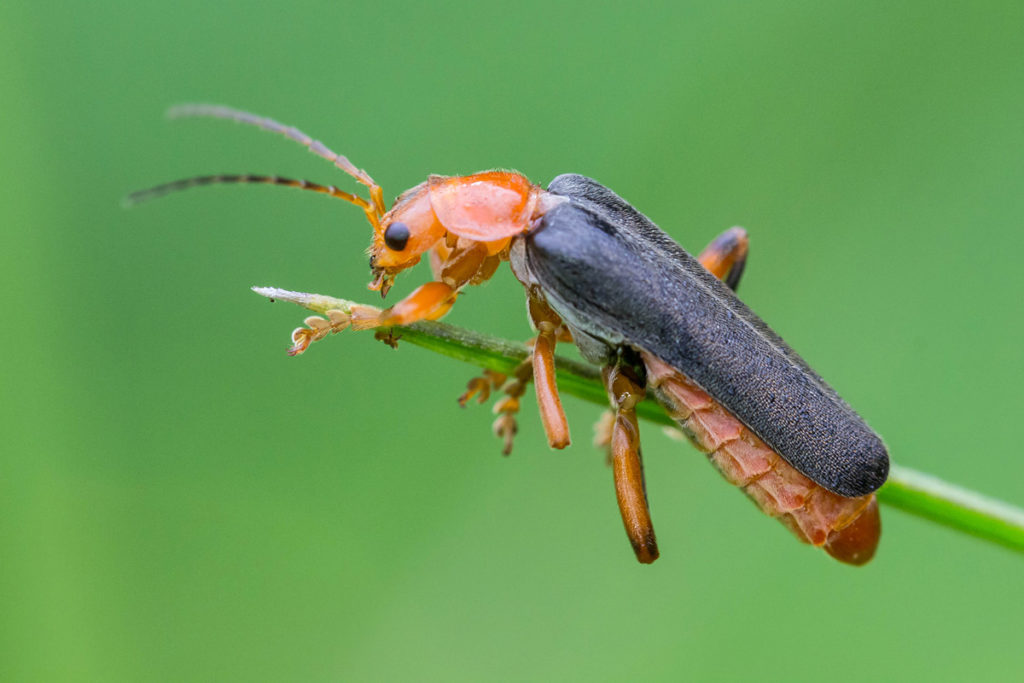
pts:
pixel 179 500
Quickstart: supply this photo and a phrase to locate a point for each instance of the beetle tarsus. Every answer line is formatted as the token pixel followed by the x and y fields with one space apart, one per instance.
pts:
pixel 388 337
pixel 481 387
pixel 505 427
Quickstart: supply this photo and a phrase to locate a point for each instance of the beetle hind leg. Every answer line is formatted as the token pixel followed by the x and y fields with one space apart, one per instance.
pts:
pixel 726 256
pixel 625 390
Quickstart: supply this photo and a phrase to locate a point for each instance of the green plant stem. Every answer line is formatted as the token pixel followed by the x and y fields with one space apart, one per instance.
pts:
pixel 915 492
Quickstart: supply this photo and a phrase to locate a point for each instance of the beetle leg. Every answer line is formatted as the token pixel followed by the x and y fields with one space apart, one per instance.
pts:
pixel 726 256
pixel 624 392
pixel 463 263
pixel 547 323
pixel 540 367
pixel 481 386
pixel 427 302
pixel 454 269
pixel 505 426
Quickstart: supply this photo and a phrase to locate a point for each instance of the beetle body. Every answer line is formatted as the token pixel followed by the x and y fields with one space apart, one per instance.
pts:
pixel 599 273
pixel 736 388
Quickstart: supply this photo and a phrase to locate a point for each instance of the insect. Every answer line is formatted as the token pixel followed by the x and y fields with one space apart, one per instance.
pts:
pixel 599 273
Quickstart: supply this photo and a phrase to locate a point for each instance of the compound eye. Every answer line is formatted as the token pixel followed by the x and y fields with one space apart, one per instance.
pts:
pixel 397 236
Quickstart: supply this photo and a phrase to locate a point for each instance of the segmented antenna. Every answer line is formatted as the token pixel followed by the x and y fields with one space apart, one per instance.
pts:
pixel 293 133
pixel 178 185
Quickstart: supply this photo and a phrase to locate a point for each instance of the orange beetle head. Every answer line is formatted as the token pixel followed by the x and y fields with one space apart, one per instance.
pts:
pixel 408 230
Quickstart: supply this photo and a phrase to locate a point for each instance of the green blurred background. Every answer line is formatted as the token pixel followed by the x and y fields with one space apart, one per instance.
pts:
pixel 179 500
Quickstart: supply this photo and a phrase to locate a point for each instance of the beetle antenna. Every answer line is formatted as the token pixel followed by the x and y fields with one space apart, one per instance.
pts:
pixel 291 132
pixel 199 181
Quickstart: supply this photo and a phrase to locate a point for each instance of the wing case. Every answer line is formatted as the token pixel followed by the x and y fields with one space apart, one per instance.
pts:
pixel 616 277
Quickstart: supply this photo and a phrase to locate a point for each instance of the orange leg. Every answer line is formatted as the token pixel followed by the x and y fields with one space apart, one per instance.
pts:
pixel 539 366
pixel 427 302
pixel 454 269
pixel 726 256
pixel 505 427
pixel 482 386
pixel 462 264
pixel 547 323
pixel 624 392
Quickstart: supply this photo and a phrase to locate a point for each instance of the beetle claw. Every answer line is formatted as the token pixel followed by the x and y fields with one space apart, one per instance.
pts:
pixel 481 386
pixel 317 328
pixel 505 426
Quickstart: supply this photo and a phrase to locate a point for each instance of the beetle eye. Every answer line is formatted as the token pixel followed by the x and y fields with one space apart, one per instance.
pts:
pixel 396 236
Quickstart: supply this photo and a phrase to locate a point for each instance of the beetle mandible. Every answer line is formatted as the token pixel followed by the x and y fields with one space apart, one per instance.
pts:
pixel 599 273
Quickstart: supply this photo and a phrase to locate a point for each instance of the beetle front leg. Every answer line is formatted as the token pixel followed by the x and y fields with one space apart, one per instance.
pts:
pixel 624 392
pixel 726 256
pixel 454 269
pixel 552 415
pixel 427 302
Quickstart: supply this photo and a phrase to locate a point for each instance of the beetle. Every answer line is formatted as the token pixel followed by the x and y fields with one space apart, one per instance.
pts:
pixel 599 273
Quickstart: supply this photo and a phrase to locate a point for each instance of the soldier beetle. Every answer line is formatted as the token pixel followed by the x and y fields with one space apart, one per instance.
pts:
pixel 599 273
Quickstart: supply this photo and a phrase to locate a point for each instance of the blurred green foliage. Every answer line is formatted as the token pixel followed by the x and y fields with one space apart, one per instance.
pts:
pixel 179 500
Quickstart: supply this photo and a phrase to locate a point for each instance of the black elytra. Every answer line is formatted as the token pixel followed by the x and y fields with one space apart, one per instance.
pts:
pixel 616 278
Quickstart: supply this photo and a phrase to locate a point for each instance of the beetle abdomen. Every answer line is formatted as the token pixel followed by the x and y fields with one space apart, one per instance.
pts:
pixel 847 528
pixel 614 276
